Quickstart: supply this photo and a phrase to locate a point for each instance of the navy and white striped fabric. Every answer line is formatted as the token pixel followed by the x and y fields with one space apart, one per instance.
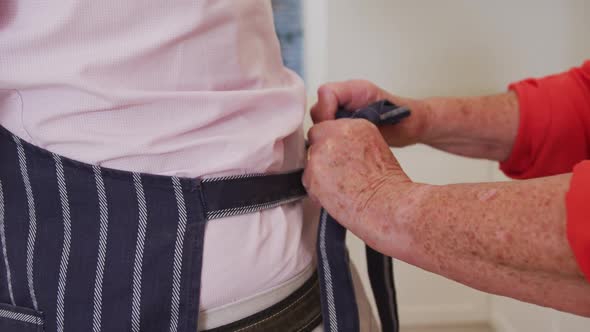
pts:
pixel 339 307
pixel 91 249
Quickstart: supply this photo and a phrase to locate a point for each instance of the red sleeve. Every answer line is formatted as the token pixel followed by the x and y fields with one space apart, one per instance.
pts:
pixel 554 127
pixel 578 216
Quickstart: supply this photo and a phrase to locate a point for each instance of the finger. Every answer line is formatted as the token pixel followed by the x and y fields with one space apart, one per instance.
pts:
pixel 333 96
pixel 355 94
pixel 348 92
pixel 327 105
pixel 350 95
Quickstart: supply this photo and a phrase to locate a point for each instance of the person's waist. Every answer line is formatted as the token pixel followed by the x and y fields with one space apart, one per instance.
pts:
pixel 232 312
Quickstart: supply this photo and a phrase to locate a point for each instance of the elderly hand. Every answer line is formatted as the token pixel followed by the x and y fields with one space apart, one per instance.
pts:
pixel 480 127
pixel 355 94
pixel 348 165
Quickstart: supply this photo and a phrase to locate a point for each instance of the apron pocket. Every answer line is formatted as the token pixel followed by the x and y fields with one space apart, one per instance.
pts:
pixel 18 319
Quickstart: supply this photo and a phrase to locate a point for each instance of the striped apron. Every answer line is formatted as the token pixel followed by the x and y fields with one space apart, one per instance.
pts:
pixel 85 248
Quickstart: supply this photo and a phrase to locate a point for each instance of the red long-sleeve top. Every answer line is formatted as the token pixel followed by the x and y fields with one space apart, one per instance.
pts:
pixel 554 138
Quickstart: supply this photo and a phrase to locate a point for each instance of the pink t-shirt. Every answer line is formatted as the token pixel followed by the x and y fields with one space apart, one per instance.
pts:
pixel 185 88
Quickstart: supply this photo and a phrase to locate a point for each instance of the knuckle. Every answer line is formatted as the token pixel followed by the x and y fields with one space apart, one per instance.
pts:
pixel 326 128
pixel 326 89
pixel 372 126
pixel 315 132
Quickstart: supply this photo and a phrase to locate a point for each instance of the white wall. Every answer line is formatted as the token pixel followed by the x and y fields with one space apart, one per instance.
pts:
pixel 455 47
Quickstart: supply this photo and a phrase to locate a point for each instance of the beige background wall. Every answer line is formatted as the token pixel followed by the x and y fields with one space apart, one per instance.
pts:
pixel 454 47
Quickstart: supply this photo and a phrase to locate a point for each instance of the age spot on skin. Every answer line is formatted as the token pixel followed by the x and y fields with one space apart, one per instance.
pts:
pixel 503 236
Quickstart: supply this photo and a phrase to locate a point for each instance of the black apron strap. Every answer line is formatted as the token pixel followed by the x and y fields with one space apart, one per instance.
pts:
pixel 339 307
pixel 242 194
pixel 380 268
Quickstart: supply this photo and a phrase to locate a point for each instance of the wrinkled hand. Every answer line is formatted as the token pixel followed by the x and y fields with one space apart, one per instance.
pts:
pixel 356 94
pixel 349 163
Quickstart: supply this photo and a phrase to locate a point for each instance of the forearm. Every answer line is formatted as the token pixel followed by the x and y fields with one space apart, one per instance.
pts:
pixel 570 294
pixel 505 238
pixel 518 224
pixel 480 127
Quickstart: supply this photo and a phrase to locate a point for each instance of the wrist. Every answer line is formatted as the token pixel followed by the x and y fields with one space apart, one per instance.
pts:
pixel 480 127
pixel 414 129
pixel 434 117
pixel 424 111
pixel 393 220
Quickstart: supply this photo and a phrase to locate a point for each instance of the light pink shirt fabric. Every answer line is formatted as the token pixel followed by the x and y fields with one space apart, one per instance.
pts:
pixel 186 88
